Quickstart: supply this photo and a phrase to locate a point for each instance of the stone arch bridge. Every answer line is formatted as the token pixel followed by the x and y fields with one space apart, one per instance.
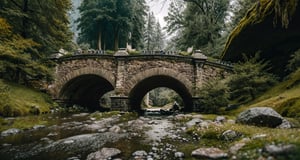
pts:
pixel 83 79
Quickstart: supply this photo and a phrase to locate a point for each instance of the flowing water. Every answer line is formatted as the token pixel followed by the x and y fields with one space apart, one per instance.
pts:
pixel 76 136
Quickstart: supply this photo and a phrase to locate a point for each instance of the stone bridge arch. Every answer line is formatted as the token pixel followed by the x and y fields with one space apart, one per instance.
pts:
pixel 83 79
pixel 145 81
pixel 84 86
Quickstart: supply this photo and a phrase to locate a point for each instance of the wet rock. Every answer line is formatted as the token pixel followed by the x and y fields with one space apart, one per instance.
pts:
pixel 102 130
pixel 52 134
pixel 230 135
pixel 237 146
pixel 104 153
pixel 259 136
pixel 94 127
pixel 279 149
pixel 220 119
pixel 139 154
pixel 36 127
pixel 115 129
pixel 179 155
pixel 209 153
pixel 204 124
pixel 6 145
pixel 73 158
pixel 80 115
pixel 11 131
pixel 193 122
pixel 285 124
pixel 260 116
pixel 46 140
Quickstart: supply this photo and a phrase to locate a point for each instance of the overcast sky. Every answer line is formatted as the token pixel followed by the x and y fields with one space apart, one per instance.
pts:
pixel 160 9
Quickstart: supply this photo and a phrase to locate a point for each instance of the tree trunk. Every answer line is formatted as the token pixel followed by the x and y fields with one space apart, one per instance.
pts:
pixel 24 20
pixel 99 41
pixel 116 40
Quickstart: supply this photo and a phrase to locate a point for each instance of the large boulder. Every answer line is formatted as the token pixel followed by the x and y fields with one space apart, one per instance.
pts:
pixel 260 116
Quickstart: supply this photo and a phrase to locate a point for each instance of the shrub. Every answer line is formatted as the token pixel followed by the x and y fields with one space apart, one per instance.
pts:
pixel 212 96
pixel 294 62
pixel 250 79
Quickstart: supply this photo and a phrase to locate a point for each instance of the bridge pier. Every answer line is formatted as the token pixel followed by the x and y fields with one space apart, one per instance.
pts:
pixel 120 103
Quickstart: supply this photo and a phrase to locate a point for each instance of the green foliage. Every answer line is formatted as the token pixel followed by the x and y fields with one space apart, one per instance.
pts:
pixel 290 108
pixel 153 35
pixel 106 24
pixel 46 24
pixel 249 80
pixel 16 64
pixel 199 24
pixel 294 62
pixel 212 96
pixel 162 96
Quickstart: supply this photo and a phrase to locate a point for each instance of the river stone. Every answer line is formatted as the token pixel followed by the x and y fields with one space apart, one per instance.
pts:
pixel 209 153
pixel 11 131
pixel 179 155
pixel 139 154
pixel 279 149
pixel 36 127
pixel 220 119
pixel 193 122
pixel 103 154
pixel 285 124
pixel 230 135
pixel 115 129
pixel 260 116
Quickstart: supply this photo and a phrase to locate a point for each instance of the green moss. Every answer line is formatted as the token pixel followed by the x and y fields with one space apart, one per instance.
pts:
pixel 289 108
pixel 127 116
pixel 102 115
pixel 281 11
pixel 134 53
pixel 22 122
pixel 18 100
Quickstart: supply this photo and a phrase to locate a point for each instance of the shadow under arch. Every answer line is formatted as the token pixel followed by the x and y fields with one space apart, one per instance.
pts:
pixel 85 90
pixel 138 92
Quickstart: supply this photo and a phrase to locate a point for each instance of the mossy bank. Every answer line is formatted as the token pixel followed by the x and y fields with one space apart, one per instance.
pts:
pixel 18 100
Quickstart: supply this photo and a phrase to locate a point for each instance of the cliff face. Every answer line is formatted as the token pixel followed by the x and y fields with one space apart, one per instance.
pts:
pixel 271 27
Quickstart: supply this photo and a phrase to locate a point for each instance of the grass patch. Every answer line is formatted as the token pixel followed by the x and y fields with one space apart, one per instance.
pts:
pixel 124 117
pixel 18 100
pixel 101 115
pixel 22 122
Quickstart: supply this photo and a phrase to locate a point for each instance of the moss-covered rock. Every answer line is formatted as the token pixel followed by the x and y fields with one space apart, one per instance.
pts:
pixel 271 27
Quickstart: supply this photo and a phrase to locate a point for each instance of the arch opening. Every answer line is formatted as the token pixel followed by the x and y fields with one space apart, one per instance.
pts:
pixel 138 92
pixel 86 91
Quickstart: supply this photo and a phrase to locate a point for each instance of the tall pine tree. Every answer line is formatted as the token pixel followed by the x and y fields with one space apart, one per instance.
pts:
pixel 44 23
pixel 106 24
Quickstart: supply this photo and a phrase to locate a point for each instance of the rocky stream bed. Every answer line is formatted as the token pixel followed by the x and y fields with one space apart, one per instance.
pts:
pixel 119 136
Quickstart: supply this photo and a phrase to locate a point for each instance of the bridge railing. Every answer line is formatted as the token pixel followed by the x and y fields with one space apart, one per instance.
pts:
pixel 78 52
pixel 161 52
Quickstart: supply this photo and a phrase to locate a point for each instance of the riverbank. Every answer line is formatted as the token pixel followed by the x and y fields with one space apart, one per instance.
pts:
pixel 18 100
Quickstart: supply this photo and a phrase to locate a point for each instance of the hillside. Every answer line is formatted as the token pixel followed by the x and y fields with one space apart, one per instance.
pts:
pixel 18 100
pixel 284 97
